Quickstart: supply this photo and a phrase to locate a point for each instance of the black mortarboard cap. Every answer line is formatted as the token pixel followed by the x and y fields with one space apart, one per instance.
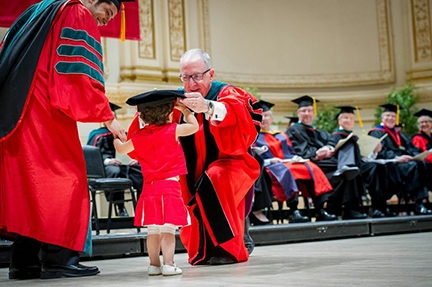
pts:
pixel 114 107
pixel 266 106
pixel 155 98
pixel 390 108
pixel 118 2
pixel 424 112
pixel 345 109
pixel 350 110
pixel 305 101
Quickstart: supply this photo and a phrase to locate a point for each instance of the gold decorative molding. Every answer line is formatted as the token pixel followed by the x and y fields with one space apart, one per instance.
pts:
pixel 147 44
pixel 177 29
pixel 384 75
pixel 421 24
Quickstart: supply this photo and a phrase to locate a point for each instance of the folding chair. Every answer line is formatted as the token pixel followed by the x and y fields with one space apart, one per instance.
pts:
pixel 97 181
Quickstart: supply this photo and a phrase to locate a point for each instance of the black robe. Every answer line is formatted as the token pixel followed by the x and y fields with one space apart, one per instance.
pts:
pixel 374 174
pixel 306 140
pixel 410 177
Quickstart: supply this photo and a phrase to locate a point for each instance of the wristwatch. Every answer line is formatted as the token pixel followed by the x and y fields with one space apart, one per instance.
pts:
pixel 210 108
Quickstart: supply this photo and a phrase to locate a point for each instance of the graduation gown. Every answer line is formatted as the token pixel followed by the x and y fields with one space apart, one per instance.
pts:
pixel 306 141
pixel 424 142
pixel 374 175
pixel 221 171
pixel 43 188
pixel 286 174
pixel 410 177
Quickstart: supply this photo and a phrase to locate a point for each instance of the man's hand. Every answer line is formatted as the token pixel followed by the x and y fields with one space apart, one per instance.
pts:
pixel 115 127
pixel 196 102
pixel 404 158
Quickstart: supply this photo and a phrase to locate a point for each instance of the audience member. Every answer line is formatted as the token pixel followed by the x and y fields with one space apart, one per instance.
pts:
pixel 342 172
pixel 411 174
pixel 423 139
pixel 374 174
pixel 45 89
pixel 289 171
pixel 104 140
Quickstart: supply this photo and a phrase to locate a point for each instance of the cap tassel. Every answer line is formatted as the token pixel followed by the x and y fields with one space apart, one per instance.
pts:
pixel 397 114
pixel 314 106
pixel 358 117
pixel 123 24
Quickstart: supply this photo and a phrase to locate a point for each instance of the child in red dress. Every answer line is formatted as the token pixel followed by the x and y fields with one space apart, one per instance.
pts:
pixel 156 147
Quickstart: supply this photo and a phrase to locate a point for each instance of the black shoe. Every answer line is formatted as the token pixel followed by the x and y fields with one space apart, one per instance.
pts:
pixel 297 217
pixel 122 211
pixel 353 214
pixel 255 221
pixel 348 172
pixel 220 260
pixel 389 213
pixel 325 216
pixel 378 214
pixel 420 209
pixel 248 240
pixel 72 270
pixel 29 272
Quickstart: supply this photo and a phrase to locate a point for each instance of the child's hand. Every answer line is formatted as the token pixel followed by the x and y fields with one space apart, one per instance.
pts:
pixel 180 106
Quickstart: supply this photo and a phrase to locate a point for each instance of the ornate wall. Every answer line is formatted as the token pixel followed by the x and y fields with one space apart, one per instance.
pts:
pixel 340 51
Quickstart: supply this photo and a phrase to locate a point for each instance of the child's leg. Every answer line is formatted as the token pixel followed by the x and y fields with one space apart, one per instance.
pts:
pixel 154 244
pixel 168 243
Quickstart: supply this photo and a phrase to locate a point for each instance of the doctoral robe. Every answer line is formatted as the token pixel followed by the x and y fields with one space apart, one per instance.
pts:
pixel 221 171
pixel 286 174
pixel 424 142
pixel 375 175
pixel 51 76
pixel 411 176
pixel 306 141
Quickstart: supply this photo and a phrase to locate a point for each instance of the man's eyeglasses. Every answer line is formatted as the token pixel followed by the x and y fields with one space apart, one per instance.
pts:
pixel 195 77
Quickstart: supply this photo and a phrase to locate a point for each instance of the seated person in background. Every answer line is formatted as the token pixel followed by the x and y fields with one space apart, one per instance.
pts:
pixel 411 174
pixel 287 175
pixel 262 199
pixel 374 174
pixel 104 140
pixel 342 172
pixel 423 140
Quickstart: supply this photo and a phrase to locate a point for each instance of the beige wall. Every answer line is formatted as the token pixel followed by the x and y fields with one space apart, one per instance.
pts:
pixel 340 51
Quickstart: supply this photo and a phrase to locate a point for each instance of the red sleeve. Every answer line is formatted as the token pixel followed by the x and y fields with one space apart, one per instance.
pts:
pixel 238 122
pixel 76 81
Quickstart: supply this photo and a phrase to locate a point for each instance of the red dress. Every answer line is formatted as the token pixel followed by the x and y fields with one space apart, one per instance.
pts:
pixel 161 157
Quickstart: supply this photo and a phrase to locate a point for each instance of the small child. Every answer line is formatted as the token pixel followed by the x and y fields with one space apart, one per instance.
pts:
pixel 156 147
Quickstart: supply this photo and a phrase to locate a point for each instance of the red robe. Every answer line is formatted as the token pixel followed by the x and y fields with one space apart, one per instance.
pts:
pixel 217 205
pixel 423 142
pixel 43 188
pixel 279 145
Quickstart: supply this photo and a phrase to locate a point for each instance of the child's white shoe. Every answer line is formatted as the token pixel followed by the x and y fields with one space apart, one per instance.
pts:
pixel 154 270
pixel 169 270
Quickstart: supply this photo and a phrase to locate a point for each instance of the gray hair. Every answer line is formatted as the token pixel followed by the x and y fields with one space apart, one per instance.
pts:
pixel 193 53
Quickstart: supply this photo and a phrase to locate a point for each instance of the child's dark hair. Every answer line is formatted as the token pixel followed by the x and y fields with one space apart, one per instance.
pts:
pixel 157 115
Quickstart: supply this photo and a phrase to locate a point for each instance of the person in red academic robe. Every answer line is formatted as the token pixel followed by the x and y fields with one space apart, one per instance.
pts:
pixel 423 139
pixel 221 171
pixel 289 172
pixel 51 76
